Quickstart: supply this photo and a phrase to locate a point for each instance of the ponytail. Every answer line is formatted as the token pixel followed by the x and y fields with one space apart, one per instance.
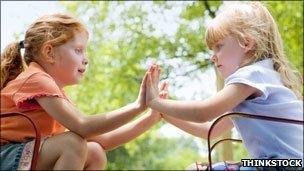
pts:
pixel 11 63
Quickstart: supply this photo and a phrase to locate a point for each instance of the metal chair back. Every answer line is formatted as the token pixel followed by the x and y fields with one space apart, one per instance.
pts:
pixel 37 137
pixel 246 115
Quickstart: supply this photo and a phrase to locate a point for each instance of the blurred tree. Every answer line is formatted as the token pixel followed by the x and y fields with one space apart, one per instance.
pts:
pixel 289 17
pixel 120 45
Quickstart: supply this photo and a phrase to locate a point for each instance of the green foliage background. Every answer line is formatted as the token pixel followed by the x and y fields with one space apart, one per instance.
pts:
pixel 123 38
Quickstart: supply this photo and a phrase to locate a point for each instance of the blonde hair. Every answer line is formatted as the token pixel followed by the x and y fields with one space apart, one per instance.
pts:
pixel 253 21
pixel 55 29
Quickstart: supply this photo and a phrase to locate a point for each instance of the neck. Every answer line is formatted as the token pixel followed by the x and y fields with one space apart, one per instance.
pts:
pixel 48 68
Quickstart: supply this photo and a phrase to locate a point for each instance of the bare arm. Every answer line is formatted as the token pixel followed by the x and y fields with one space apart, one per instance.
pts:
pixel 87 126
pixel 196 111
pixel 133 129
pixel 201 129
pixel 127 132
pixel 203 111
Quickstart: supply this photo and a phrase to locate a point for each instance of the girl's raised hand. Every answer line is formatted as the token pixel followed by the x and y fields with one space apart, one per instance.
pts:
pixel 141 99
pixel 162 94
pixel 152 84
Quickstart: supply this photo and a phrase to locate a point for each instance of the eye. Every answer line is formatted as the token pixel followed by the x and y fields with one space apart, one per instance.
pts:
pixel 219 46
pixel 78 50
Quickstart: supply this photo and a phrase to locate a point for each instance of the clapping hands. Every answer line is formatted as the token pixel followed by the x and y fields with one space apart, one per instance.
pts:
pixel 152 82
pixel 149 90
pixel 152 91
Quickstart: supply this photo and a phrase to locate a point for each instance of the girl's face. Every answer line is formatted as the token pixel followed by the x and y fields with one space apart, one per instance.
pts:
pixel 70 60
pixel 227 56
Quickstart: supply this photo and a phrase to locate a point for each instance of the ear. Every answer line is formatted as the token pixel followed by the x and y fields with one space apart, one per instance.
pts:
pixel 47 51
pixel 249 43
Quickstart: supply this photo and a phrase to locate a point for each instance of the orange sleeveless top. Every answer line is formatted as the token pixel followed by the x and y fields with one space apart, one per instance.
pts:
pixel 19 96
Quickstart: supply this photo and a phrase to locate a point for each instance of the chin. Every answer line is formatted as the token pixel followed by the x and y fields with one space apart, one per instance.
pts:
pixel 76 82
pixel 222 75
pixel 73 82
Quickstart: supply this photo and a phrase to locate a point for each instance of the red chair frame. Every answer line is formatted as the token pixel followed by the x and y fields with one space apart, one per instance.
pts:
pixel 37 137
pixel 246 115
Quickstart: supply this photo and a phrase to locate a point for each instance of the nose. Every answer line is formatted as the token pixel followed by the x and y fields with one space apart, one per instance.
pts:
pixel 85 61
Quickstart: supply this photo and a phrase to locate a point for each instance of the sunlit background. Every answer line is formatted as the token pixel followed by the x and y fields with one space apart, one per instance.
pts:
pixel 125 38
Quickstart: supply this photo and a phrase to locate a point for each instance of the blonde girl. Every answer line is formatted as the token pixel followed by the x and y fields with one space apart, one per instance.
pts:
pixel 248 53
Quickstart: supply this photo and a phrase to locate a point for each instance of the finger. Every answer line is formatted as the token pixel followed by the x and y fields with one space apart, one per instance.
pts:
pixel 158 73
pixel 166 85
pixel 144 80
pixel 162 86
pixel 148 78
pixel 165 95
pixel 154 74
pixel 154 69
pixel 150 68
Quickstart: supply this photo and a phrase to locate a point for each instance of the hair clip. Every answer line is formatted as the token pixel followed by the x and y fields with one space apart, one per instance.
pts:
pixel 21 44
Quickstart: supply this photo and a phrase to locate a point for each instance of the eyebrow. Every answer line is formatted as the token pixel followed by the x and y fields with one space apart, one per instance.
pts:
pixel 80 46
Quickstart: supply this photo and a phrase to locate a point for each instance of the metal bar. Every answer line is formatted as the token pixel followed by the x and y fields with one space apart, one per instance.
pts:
pixel 246 115
pixel 37 137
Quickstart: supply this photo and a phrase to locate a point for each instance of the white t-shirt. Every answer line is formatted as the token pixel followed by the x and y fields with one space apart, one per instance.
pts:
pixel 267 139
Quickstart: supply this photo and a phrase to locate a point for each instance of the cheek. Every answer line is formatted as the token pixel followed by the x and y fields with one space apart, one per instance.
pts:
pixel 230 60
pixel 224 56
pixel 68 60
pixel 229 52
pixel 239 51
pixel 234 55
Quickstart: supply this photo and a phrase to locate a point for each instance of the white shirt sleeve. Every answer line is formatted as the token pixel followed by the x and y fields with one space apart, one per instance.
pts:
pixel 250 76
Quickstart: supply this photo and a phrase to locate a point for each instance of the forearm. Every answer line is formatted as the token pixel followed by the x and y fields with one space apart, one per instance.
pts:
pixel 195 111
pixel 196 129
pixel 102 123
pixel 126 132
